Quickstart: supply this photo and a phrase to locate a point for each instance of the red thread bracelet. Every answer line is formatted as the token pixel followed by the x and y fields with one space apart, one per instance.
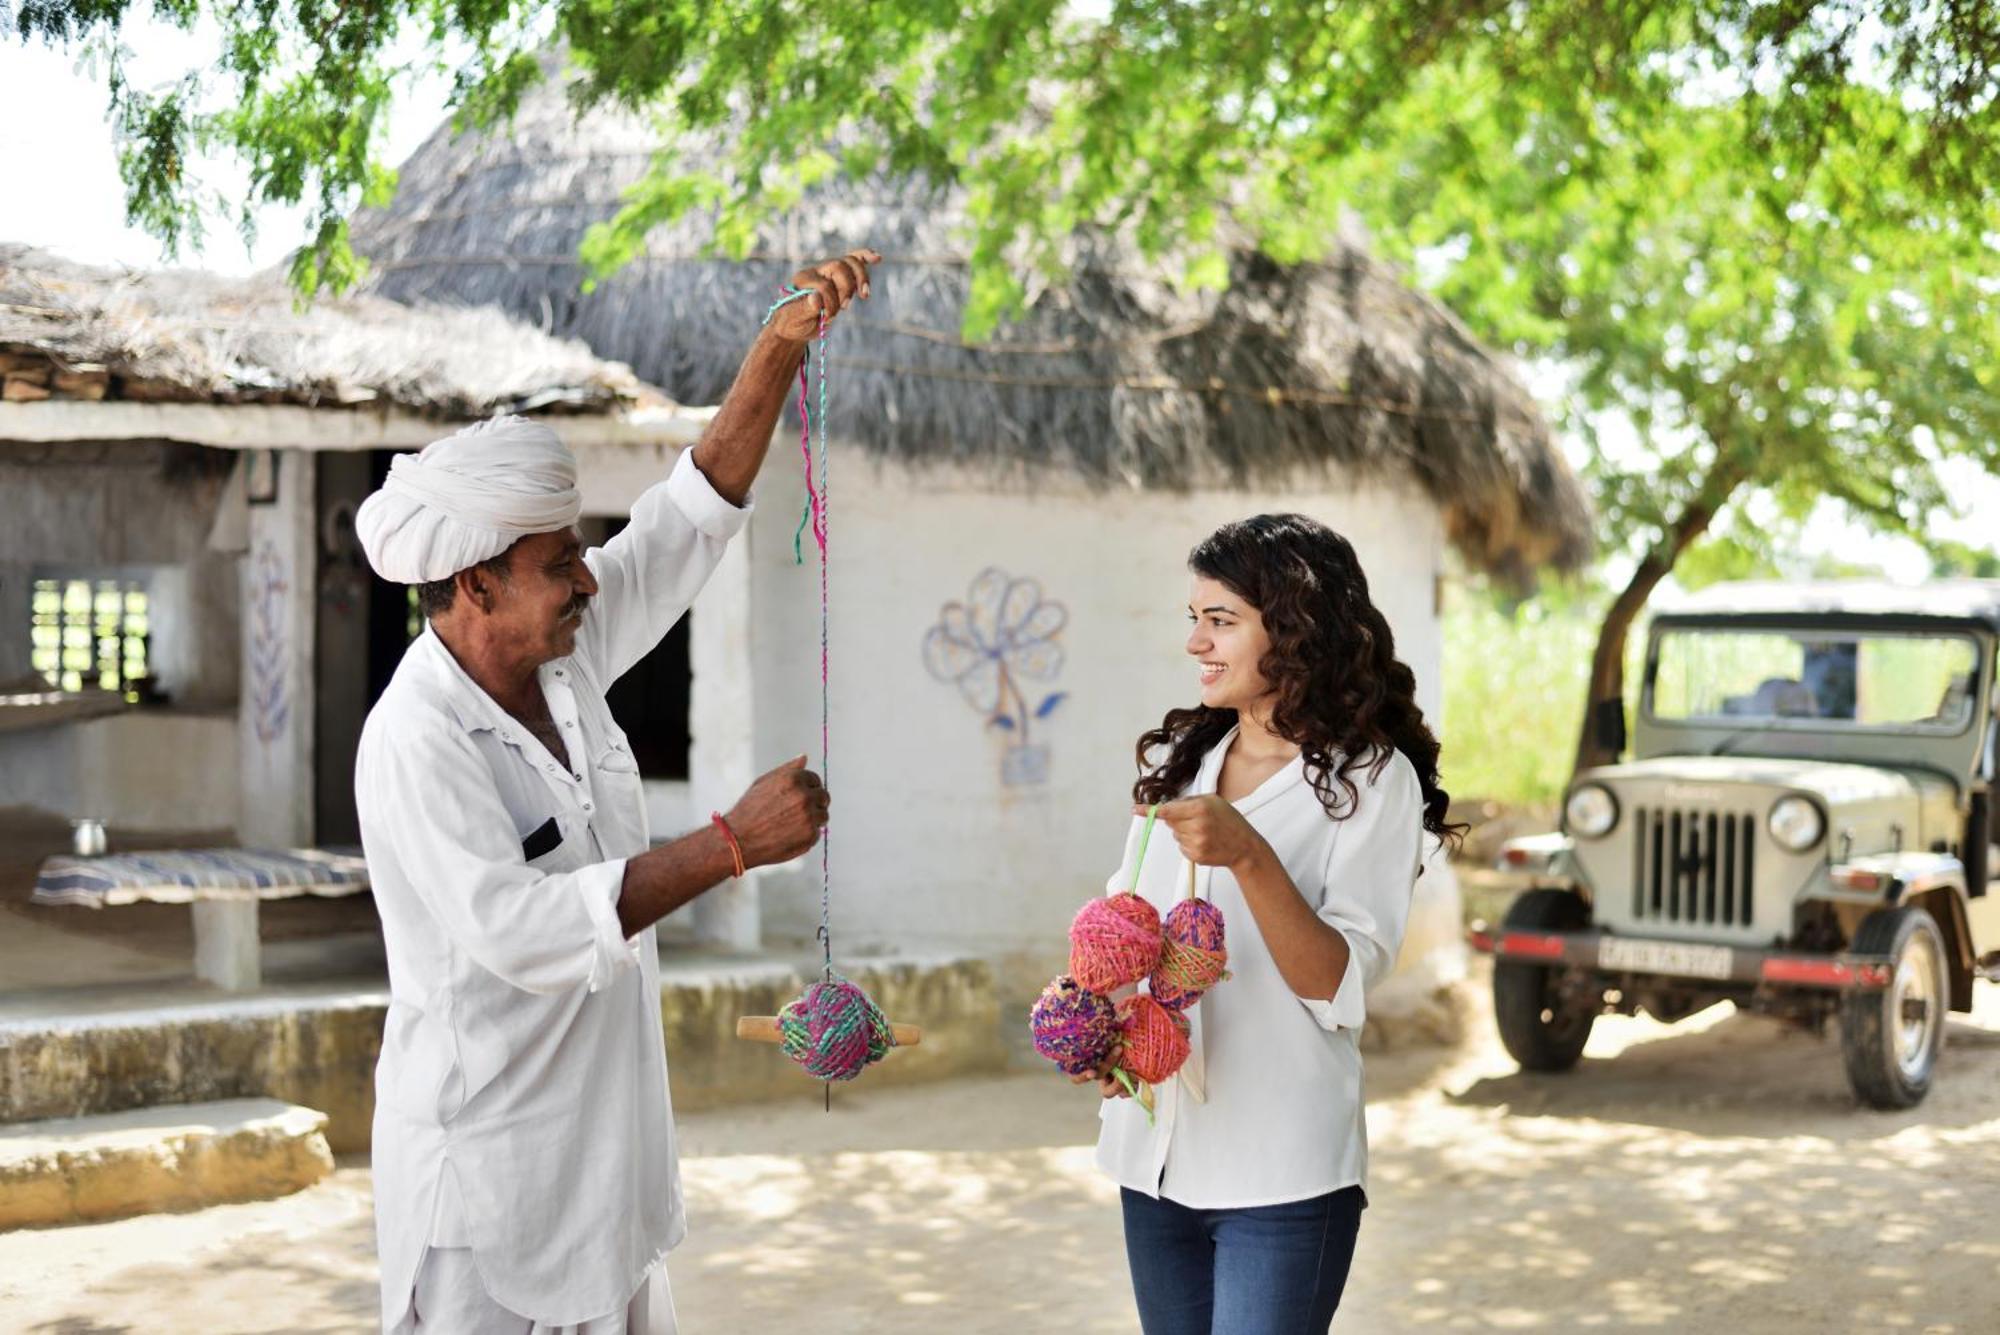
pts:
pixel 735 849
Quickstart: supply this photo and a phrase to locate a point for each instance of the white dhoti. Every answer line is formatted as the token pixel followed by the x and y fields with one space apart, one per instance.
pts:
pixel 451 1299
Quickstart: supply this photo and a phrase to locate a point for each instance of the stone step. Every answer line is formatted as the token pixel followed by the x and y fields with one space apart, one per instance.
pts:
pixel 316 1045
pixel 150 1160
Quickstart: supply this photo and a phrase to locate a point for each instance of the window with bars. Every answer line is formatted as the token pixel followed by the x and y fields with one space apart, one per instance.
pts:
pixel 90 634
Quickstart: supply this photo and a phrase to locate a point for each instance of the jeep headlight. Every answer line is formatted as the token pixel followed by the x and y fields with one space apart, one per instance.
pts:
pixel 1591 811
pixel 1796 823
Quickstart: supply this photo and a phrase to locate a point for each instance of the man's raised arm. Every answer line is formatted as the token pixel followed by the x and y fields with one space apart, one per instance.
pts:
pixel 732 450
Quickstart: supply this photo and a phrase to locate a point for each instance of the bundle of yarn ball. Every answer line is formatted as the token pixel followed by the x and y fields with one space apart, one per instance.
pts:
pixel 1073 1026
pixel 834 1030
pixel 1192 956
pixel 1154 1040
pixel 1114 942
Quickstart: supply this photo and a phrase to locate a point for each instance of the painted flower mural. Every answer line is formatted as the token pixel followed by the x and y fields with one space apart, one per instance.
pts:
pixel 998 647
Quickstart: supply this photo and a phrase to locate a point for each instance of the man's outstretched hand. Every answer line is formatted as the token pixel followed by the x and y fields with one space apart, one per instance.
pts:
pixel 781 816
pixel 833 284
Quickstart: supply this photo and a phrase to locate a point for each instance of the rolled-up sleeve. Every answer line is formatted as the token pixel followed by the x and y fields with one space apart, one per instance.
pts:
pixel 434 809
pixel 648 575
pixel 1371 873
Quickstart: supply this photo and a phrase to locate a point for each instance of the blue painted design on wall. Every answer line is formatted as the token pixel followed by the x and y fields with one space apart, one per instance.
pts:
pixel 270 642
pixel 995 647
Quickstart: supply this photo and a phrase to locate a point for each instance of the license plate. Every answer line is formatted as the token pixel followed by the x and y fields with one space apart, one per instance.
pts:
pixel 1614 952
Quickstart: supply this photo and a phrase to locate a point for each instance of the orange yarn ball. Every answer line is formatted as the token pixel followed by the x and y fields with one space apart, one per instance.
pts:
pixel 1155 1039
pixel 1114 942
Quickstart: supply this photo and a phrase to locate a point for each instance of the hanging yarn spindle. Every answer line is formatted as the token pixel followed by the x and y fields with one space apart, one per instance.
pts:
pixel 832 1029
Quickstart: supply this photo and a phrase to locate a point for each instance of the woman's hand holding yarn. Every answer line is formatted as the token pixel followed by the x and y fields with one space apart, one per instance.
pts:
pixel 1106 1082
pixel 1211 832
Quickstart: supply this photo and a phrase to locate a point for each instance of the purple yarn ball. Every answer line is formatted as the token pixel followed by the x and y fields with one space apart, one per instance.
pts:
pixel 1073 1026
pixel 1194 958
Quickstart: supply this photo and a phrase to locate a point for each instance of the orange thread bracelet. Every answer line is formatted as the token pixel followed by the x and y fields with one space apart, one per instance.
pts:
pixel 735 849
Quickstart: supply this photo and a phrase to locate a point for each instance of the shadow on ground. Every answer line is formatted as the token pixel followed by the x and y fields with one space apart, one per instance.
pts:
pixel 1715 1177
pixel 1722 1179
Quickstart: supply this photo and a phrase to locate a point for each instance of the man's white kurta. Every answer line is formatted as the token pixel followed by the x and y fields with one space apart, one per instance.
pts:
pixel 1280 1117
pixel 521 1097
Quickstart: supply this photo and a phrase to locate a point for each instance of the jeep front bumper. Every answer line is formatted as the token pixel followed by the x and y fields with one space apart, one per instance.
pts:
pixel 1737 966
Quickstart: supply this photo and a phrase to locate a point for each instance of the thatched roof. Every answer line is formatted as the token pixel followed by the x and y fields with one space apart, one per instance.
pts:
pixel 1116 376
pixel 72 331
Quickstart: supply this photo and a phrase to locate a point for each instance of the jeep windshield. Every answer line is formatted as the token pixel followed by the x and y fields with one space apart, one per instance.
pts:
pixel 1755 679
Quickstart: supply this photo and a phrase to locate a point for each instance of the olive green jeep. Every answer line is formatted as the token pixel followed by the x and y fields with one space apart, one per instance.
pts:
pixel 1806 828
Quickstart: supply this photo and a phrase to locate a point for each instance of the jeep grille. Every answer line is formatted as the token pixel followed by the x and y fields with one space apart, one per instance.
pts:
pixel 1693 866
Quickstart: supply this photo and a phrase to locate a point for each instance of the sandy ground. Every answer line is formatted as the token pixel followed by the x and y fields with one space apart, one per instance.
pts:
pixel 1713 1177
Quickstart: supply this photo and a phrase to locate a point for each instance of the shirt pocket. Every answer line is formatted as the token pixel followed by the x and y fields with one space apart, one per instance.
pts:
pixel 546 847
pixel 620 788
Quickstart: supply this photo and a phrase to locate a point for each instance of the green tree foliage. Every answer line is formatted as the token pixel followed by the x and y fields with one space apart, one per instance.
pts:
pixel 1831 330
pixel 1513 680
pixel 1157 115
pixel 1762 231
pixel 1952 560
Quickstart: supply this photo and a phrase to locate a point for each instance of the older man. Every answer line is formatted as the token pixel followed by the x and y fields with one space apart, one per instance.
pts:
pixel 525 1170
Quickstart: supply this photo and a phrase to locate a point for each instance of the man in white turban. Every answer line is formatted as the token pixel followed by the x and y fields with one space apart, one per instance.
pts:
pixel 526 1178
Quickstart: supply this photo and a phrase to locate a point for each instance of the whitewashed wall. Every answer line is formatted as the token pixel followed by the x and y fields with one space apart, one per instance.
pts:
pixel 151 770
pixel 94 509
pixel 124 509
pixel 931 849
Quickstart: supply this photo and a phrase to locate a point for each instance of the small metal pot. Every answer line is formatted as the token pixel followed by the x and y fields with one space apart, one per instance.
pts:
pixel 87 837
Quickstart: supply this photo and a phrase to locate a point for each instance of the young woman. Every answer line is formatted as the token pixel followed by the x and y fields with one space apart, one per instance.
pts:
pixel 1303 789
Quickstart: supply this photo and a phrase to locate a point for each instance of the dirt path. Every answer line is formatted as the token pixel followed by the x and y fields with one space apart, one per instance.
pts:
pixel 1714 1177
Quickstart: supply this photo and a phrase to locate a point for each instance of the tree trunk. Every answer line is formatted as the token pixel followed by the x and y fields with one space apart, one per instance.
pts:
pixel 1607 662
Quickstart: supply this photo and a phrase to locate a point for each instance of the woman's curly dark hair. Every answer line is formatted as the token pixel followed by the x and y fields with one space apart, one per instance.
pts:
pixel 1341 691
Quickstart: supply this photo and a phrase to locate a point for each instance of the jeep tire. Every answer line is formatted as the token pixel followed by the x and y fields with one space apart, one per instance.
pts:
pixel 1890 1037
pixel 1537 1030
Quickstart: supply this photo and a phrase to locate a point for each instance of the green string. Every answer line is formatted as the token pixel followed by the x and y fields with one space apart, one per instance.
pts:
pixel 1124 1078
pixel 792 295
pixel 1119 1073
pixel 1145 837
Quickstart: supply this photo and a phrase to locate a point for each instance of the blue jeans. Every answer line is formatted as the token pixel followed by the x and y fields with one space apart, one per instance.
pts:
pixel 1264 1270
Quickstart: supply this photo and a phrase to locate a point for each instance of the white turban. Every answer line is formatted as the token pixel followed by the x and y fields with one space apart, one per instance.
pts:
pixel 468 498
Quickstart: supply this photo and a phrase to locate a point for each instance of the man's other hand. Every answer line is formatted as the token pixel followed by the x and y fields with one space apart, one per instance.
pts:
pixel 781 816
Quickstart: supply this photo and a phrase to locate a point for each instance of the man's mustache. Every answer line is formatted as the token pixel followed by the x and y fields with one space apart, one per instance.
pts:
pixel 575 607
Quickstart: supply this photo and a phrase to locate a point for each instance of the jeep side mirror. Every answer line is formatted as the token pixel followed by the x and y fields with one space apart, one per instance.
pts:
pixel 1608 724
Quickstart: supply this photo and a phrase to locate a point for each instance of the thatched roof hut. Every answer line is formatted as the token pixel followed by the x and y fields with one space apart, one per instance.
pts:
pixel 1115 376
pixel 74 332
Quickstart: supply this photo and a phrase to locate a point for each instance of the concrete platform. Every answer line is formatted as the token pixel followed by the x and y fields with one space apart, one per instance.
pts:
pixel 85 1169
pixel 80 1052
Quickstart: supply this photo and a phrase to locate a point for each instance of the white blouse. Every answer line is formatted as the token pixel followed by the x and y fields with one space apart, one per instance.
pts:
pixel 1269 1106
pixel 521 1096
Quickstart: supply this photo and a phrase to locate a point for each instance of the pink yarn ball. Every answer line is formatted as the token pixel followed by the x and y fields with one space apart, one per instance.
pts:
pixel 1193 958
pixel 1073 1027
pixel 1114 942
